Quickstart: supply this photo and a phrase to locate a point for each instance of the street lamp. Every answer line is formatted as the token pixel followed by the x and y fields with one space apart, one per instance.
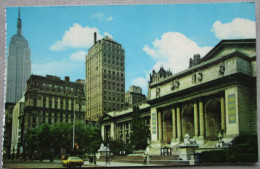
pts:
pixel 220 136
pixel 73 144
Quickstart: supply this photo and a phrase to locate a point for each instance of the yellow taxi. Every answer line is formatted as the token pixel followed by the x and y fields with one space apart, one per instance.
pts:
pixel 72 162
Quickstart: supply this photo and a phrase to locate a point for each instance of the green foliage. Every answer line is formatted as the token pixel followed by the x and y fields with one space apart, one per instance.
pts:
pixel 139 130
pixel 117 146
pixel 59 136
pixel 244 150
pixel 213 157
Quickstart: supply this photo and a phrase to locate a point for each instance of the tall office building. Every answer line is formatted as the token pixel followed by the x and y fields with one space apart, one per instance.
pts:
pixel 105 78
pixel 134 95
pixel 18 65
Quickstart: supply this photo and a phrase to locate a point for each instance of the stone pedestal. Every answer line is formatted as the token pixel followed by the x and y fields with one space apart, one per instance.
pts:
pixel 102 151
pixel 187 151
pixel 155 147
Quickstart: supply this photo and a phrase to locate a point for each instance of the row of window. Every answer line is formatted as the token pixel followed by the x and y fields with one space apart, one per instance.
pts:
pixel 49 121
pixel 93 116
pixel 113 88
pixel 110 99
pixel 113 63
pixel 109 72
pixel 113 77
pixel 112 49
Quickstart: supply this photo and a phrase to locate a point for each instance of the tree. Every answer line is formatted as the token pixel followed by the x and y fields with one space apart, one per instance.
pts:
pixel 31 141
pixel 62 137
pixel 7 134
pixel 46 138
pixel 139 130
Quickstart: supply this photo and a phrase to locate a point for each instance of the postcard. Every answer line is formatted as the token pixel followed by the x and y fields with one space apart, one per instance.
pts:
pixel 143 85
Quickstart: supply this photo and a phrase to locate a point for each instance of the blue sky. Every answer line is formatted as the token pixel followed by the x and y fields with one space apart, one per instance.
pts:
pixel 152 35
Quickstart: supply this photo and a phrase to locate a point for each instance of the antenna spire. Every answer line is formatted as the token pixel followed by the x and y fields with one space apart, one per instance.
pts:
pixel 19 13
pixel 19 24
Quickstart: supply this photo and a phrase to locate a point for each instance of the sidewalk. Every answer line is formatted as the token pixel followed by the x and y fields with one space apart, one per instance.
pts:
pixel 114 164
pixel 103 163
pixel 129 163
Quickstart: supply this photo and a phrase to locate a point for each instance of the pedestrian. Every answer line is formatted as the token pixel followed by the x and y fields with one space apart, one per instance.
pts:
pixel 147 159
pixel 112 155
pixel 95 160
pixel 106 159
pixel 144 158
pixel 90 160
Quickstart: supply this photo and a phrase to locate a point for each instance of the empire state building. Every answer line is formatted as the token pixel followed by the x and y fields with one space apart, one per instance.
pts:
pixel 18 65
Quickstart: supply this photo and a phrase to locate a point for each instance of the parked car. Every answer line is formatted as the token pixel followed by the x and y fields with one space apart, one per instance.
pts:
pixel 72 162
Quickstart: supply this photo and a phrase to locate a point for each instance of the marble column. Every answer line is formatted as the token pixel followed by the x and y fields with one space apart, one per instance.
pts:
pixel 173 124
pixel 201 114
pixel 178 122
pixel 196 122
pixel 160 125
pixel 222 108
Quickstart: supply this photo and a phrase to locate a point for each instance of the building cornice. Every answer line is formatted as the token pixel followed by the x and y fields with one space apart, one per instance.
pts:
pixel 202 65
pixel 234 79
pixel 143 111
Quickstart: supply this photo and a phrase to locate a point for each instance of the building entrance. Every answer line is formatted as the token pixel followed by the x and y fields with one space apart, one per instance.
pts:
pixel 167 127
pixel 188 120
pixel 212 116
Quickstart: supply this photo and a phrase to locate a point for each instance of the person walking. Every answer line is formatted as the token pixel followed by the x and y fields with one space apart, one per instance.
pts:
pixel 95 160
pixel 147 159
pixel 144 158
pixel 112 155
pixel 106 159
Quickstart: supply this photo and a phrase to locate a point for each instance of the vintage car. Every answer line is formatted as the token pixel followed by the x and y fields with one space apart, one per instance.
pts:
pixel 72 162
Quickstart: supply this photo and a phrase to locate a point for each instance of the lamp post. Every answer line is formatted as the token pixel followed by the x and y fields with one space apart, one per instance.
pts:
pixel 25 151
pixel 73 144
pixel 220 136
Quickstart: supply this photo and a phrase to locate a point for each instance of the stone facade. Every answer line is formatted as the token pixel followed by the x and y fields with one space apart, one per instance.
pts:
pixel 134 95
pixel 116 125
pixel 105 78
pixel 18 65
pixel 51 100
pixel 17 127
pixel 216 95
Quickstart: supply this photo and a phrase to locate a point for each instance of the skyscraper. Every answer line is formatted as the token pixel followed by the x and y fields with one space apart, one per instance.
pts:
pixel 18 65
pixel 105 78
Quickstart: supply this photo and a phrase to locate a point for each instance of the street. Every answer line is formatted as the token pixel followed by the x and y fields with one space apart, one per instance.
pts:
pixel 57 164
pixel 29 164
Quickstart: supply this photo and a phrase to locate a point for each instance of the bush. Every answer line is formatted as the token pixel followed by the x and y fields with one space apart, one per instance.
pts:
pixel 213 157
pixel 117 146
pixel 244 150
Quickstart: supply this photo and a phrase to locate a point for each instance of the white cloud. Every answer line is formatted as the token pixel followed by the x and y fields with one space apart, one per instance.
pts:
pixel 108 34
pixel 109 18
pixel 76 37
pixel 101 17
pixel 238 28
pixel 173 51
pixel 78 56
pixel 141 82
